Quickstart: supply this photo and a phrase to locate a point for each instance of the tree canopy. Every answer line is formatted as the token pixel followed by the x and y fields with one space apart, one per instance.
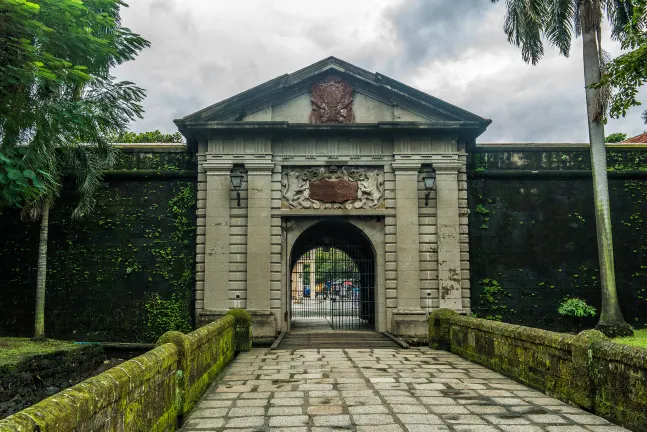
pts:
pixel 615 137
pixel 149 137
pixel 628 72
pixel 55 87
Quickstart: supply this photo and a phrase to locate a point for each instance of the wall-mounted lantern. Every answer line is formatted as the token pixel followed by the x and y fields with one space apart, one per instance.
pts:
pixel 236 183
pixel 429 180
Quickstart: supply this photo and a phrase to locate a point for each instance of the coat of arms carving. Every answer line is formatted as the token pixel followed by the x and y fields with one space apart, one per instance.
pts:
pixel 332 101
pixel 332 188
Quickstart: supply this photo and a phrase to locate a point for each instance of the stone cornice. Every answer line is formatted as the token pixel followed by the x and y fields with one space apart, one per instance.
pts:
pixel 269 126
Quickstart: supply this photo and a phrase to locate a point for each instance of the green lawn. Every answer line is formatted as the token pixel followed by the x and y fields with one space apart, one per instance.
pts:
pixel 639 339
pixel 13 349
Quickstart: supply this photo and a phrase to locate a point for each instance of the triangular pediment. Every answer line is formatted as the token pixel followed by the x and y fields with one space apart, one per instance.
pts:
pixel 375 98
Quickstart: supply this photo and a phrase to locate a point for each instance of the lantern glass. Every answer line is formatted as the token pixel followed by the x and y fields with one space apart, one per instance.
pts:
pixel 236 180
pixel 429 180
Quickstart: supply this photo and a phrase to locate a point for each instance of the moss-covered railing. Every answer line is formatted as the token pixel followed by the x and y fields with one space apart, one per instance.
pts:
pixel 151 392
pixel 587 370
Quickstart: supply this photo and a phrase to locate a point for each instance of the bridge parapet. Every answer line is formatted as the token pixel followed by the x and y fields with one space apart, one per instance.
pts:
pixel 587 370
pixel 150 392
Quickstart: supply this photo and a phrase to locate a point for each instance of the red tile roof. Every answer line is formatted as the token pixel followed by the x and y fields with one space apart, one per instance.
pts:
pixel 638 139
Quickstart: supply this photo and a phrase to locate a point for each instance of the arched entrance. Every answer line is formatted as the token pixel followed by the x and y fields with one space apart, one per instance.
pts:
pixel 332 278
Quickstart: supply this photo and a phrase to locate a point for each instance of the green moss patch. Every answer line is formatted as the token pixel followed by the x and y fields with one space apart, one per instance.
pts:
pixel 639 339
pixel 14 350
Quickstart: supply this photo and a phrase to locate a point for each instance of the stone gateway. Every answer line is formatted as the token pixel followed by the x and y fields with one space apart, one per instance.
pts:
pixel 332 194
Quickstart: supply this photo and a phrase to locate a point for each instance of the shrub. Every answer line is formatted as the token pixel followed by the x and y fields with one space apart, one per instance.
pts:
pixel 577 309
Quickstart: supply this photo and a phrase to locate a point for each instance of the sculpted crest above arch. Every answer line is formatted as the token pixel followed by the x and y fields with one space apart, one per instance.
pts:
pixel 332 101
pixel 332 188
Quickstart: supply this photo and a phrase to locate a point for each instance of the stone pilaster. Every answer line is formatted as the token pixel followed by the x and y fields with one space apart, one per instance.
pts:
pixel 408 319
pixel 449 256
pixel 259 223
pixel 201 230
pixel 216 254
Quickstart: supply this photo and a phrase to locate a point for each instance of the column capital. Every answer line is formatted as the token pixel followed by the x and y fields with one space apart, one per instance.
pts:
pixel 260 166
pixel 218 167
pixel 406 165
pixel 447 167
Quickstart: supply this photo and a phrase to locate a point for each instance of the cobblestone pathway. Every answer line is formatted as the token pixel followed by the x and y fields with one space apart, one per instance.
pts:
pixel 383 390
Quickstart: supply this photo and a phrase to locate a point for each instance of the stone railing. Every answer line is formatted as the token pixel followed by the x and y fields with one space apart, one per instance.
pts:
pixel 151 392
pixel 587 370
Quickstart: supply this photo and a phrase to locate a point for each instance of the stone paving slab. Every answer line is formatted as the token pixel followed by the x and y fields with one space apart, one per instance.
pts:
pixel 381 390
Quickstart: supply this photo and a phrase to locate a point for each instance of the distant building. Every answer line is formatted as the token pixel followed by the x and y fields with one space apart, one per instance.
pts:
pixel 638 139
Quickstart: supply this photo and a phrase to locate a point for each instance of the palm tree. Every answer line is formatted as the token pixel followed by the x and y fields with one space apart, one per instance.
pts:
pixel 83 165
pixel 526 22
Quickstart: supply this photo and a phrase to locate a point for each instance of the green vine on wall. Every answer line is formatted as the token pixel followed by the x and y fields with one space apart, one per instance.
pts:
pixel 489 300
pixel 164 315
pixel 636 222
pixel 626 161
pixel 483 211
pixel 174 265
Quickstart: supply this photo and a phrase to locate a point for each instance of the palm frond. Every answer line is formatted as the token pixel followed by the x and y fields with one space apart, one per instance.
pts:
pixel 559 24
pixel 523 24
pixel 85 164
pixel 619 13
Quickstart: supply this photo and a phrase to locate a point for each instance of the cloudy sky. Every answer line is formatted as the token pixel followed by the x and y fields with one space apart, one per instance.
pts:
pixel 204 51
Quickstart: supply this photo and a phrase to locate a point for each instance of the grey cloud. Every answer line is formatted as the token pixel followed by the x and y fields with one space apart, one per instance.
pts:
pixel 198 58
pixel 438 29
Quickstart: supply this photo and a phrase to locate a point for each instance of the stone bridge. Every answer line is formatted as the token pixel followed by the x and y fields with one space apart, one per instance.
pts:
pixel 476 375
pixel 385 390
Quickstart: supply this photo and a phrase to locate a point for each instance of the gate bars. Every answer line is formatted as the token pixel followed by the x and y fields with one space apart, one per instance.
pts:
pixel 334 284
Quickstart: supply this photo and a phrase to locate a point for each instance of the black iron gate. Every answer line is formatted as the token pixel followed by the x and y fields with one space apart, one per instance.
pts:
pixel 332 285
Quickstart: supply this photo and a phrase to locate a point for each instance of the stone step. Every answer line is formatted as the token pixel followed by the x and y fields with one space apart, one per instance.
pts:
pixel 330 340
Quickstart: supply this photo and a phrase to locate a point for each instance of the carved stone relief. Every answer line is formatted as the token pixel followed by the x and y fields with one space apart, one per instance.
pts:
pixel 332 101
pixel 332 188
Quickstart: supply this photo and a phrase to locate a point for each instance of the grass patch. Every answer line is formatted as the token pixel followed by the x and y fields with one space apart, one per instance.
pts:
pixel 639 339
pixel 14 349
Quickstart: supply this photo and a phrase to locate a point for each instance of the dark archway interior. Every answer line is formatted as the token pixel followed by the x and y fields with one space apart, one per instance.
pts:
pixel 346 304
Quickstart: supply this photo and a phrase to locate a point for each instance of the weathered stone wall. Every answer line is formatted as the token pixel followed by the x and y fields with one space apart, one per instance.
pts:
pixel 532 232
pixel 150 392
pixel 586 370
pixel 124 272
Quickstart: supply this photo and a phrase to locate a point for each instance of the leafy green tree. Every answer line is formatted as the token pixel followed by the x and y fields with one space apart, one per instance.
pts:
pixel 628 72
pixel 335 264
pixel 527 23
pixel 615 137
pixel 55 87
pixel 148 137
pixel 59 105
